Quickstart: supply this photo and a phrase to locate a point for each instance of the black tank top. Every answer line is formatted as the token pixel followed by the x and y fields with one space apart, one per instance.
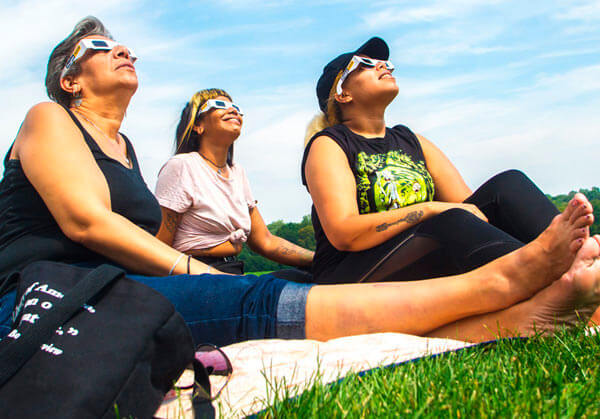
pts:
pixel 390 172
pixel 28 232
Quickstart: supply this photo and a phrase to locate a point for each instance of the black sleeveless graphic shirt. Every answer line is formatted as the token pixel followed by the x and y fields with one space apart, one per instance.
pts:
pixel 390 172
pixel 28 232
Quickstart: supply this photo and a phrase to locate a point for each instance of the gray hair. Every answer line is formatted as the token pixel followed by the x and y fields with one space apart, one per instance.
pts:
pixel 62 52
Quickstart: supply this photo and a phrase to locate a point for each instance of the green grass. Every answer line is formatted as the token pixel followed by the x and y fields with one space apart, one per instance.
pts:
pixel 547 377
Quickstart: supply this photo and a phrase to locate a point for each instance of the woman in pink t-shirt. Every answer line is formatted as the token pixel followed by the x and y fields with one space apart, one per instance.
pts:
pixel 207 207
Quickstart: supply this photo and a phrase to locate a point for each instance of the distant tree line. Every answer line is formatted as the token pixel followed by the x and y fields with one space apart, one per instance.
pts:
pixel 302 233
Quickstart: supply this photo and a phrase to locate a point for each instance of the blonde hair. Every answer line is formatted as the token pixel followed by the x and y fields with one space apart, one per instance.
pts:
pixel 324 120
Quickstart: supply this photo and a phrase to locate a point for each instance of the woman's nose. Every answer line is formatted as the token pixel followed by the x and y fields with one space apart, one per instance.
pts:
pixel 121 51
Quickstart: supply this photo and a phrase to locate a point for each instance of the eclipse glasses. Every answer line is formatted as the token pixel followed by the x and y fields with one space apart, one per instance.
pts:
pixel 96 45
pixel 355 62
pixel 219 104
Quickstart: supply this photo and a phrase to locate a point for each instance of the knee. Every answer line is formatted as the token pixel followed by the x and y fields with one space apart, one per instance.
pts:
pixel 512 177
pixel 456 216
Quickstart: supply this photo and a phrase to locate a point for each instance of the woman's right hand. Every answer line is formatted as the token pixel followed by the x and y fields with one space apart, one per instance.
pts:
pixel 439 207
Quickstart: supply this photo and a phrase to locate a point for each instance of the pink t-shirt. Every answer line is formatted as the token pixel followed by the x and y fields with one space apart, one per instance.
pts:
pixel 214 208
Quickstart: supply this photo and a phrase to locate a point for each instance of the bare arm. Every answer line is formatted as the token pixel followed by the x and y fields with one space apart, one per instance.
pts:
pixel 333 191
pixel 168 226
pixel 273 247
pixel 62 169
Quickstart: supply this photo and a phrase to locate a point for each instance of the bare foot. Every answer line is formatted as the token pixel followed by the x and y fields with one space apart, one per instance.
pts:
pixel 572 299
pixel 595 319
pixel 543 261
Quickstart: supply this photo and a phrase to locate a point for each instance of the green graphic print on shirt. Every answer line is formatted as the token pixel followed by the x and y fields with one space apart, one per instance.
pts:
pixel 389 181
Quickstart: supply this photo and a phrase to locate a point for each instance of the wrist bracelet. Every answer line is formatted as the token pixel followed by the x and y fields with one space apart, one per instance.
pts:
pixel 208 269
pixel 175 264
pixel 188 264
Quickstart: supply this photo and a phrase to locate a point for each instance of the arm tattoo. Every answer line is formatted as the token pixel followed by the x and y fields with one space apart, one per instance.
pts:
pixel 412 217
pixel 302 253
pixel 286 251
pixel 171 222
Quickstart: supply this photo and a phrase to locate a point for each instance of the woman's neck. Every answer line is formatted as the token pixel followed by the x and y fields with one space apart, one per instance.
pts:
pixel 368 126
pixel 215 153
pixel 365 119
pixel 105 115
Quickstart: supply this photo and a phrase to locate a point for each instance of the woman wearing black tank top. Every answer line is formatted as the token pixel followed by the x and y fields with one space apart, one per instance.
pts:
pixel 388 204
pixel 70 176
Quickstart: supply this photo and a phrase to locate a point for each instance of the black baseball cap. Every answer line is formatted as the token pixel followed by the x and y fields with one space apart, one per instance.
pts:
pixel 374 48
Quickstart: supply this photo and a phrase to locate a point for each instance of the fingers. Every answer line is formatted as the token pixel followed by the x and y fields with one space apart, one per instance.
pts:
pixel 477 212
pixel 482 215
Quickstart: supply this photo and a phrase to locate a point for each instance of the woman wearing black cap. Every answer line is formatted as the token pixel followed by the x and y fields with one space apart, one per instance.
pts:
pixel 388 204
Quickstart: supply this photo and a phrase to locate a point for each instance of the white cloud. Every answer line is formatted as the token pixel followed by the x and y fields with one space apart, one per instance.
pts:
pixel 581 10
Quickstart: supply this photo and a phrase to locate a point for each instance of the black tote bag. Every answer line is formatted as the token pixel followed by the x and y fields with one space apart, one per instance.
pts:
pixel 89 345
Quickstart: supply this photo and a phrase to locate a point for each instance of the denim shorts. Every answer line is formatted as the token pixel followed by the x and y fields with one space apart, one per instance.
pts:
pixel 222 309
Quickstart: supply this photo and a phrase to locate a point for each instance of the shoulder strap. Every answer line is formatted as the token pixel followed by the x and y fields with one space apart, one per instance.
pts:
pixel 130 151
pixel 86 135
pixel 13 355
pixel 7 157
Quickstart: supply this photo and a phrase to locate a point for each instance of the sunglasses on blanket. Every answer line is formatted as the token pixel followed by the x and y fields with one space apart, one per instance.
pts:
pixel 217 365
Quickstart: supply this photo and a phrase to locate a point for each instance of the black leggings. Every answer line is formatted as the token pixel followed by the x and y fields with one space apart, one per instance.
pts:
pixel 456 241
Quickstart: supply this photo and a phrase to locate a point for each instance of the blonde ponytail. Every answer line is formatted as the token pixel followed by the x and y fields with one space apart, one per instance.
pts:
pixel 318 123
pixel 322 120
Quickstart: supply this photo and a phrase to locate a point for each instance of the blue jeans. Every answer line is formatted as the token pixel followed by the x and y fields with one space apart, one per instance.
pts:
pixel 222 309
pixel 7 304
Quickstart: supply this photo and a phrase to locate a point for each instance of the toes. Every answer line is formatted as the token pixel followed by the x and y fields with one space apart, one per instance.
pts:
pixel 573 204
pixel 581 233
pixel 584 221
pixel 576 245
pixel 583 210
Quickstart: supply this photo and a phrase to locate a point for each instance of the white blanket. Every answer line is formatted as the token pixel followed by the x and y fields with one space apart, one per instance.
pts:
pixel 261 367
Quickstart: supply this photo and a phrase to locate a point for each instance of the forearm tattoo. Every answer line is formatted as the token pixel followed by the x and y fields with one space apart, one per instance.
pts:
pixel 292 250
pixel 412 217
pixel 171 222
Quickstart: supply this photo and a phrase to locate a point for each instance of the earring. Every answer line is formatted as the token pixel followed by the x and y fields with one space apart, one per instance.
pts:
pixel 77 98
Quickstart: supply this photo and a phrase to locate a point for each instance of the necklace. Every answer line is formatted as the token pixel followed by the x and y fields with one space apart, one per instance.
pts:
pixel 103 133
pixel 219 168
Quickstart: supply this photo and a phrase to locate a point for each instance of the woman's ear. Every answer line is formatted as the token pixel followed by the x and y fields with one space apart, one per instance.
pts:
pixel 199 128
pixel 69 85
pixel 345 97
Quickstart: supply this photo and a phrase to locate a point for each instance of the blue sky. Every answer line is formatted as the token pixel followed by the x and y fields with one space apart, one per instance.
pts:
pixel 495 84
